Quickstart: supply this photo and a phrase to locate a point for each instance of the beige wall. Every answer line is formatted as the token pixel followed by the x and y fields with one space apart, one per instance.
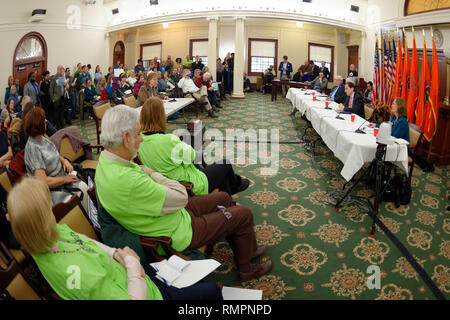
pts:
pixel 65 46
pixel 292 41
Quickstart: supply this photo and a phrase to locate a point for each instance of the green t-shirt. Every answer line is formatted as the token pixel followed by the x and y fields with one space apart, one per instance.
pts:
pixel 135 200
pixel 168 155
pixel 187 63
pixel 100 276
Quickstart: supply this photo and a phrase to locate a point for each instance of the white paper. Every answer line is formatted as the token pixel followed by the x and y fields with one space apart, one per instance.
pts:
pixel 197 270
pixel 177 263
pixel 230 293
pixel 118 72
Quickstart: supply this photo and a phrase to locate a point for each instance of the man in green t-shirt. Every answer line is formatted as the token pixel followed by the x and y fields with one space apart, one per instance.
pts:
pixel 148 204
pixel 187 63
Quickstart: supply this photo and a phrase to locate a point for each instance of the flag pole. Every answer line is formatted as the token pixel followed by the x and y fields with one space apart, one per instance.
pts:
pixel 431 141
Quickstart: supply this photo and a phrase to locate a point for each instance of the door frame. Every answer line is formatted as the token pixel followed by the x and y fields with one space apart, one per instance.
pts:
pixel 357 58
pixel 120 42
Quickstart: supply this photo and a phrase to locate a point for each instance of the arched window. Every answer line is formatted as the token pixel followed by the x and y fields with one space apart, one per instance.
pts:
pixel 119 52
pixel 420 6
pixel 30 55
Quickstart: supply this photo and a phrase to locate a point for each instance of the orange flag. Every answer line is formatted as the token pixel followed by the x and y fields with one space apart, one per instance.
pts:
pixel 413 83
pixel 405 74
pixel 432 117
pixel 424 90
pixel 398 71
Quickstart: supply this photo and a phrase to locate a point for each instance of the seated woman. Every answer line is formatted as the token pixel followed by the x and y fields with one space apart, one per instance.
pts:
pixel 106 273
pixel 399 120
pixel 42 160
pixel 139 84
pixel 90 95
pixel 157 150
pixel 14 96
pixel 368 94
pixel 123 85
pixel 108 93
pixel 6 153
pixel 100 86
pixel 164 84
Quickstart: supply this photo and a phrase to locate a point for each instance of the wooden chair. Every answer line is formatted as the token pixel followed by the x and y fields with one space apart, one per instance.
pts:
pixel 130 101
pixel 73 214
pixel 368 111
pixel 415 137
pixel 84 105
pixel 5 182
pixel 66 150
pixel 98 110
pixel 13 279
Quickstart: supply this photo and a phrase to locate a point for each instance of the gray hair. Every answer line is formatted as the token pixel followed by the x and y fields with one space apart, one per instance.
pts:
pixel 338 78
pixel 116 121
pixel 197 70
pixel 207 75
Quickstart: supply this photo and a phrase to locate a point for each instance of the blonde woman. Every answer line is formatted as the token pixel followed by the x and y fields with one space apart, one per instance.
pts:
pixel 105 273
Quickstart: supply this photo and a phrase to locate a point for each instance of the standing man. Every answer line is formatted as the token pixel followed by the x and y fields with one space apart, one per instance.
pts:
pixel 230 73
pixel 71 89
pixel 57 88
pixel 31 88
pixel 285 69
pixel 325 70
pixel 138 67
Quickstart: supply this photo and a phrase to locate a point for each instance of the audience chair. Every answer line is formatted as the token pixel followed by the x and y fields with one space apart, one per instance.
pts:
pixel 98 110
pixel 73 214
pixel 66 151
pixel 13 279
pixel 5 182
pixel 84 105
pixel 416 138
pixel 368 111
pixel 130 101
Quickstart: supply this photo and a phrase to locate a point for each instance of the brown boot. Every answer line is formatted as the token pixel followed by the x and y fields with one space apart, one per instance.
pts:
pixel 258 270
pixel 211 114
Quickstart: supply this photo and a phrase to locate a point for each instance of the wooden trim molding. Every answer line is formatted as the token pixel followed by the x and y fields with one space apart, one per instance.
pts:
pixel 149 44
pixel 332 57
pixel 249 55
pixel 191 45
pixel 31 60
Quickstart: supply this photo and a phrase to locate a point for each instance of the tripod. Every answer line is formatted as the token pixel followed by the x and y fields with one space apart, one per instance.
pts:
pixel 377 164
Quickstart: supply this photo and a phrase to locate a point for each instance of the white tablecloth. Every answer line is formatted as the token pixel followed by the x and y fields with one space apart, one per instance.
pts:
pixel 353 149
pixel 172 107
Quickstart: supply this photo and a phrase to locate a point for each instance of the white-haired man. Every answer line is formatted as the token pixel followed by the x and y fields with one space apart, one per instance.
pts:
pixel 199 93
pixel 205 81
pixel 148 204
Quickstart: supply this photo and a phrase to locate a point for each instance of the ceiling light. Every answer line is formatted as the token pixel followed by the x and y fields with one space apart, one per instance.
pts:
pixel 299 24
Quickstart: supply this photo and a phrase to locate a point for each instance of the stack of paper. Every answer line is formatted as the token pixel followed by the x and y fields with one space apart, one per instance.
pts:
pixel 180 273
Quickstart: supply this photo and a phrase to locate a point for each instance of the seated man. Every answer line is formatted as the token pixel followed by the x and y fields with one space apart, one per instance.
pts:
pixel 247 84
pixel 354 102
pixel 205 80
pixel 320 83
pixel 337 94
pixel 191 90
pixel 146 203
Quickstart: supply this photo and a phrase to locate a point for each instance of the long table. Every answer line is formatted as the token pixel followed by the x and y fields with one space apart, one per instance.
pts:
pixel 172 107
pixel 277 83
pixel 353 149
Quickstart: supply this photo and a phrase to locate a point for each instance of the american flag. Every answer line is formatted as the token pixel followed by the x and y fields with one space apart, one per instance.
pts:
pixel 394 70
pixel 390 76
pixel 386 72
pixel 376 76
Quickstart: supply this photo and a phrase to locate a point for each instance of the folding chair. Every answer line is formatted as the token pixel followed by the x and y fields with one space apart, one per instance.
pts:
pixel 66 150
pixel 368 111
pixel 415 137
pixel 130 101
pixel 98 110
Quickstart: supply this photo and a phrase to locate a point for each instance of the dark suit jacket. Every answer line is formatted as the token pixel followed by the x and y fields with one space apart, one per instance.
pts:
pixel 357 104
pixel 340 95
pixel 315 73
pixel 326 72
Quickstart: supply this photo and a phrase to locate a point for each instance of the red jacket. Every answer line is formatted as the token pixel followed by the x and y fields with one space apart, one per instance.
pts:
pixel 199 83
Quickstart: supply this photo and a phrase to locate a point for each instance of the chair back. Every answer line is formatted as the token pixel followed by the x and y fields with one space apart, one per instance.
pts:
pixel 66 150
pixel 73 214
pixel 368 111
pixel 5 182
pixel 130 101
pixel 100 109
pixel 415 135
pixel 12 279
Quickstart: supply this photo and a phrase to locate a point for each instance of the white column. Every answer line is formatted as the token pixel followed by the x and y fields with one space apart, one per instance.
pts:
pixel 212 46
pixel 362 57
pixel 239 45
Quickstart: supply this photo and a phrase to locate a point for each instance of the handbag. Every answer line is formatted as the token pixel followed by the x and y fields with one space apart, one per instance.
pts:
pixel 398 190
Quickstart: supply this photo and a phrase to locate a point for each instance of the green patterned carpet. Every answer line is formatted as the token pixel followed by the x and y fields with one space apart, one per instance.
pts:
pixel 319 253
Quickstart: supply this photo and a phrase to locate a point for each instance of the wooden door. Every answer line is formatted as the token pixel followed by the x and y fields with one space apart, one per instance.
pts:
pixel 30 55
pixel 119 53
pixel 353 56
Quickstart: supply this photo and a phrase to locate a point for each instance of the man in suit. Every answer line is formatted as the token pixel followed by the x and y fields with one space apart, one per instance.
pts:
pixel 320 83
pixel 337 94
pixel 354 102
pixel 285 69
pixel 325 70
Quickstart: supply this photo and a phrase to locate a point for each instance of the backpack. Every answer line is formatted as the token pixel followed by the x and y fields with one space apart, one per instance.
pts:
pixel 399 190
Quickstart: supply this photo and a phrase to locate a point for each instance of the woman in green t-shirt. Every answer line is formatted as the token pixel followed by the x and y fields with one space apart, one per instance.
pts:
pixel 168 155
pixel 79 268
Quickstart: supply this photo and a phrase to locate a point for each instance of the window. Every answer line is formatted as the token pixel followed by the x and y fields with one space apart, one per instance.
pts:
pixel 199 47
pixel 149 51
pixel 318 53
pixel 262 53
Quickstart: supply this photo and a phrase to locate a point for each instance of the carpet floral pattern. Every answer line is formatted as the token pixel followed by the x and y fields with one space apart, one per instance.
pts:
pixel 319 253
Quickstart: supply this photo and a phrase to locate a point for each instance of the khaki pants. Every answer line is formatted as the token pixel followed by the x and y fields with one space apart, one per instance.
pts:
pixel 203 92
pixel 283 87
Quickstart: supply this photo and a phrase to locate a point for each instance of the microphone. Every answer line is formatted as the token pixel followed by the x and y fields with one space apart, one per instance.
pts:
pixel 359 128
pixel 339 116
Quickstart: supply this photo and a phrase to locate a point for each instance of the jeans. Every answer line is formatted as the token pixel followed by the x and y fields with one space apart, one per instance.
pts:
pixel 212 97
pixel 73 105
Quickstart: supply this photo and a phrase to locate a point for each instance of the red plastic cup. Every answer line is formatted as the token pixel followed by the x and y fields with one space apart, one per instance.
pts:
pixel 375 131
pixel 313 93
pixel 326 104
pixel 306 88
pixel 352 117
pixel 314 98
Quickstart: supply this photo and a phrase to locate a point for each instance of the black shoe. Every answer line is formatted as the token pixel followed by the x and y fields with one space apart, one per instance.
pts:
pixel 243 186
pixel 219 106
pixel 293 112
pixel 211 114
pixel 215 110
